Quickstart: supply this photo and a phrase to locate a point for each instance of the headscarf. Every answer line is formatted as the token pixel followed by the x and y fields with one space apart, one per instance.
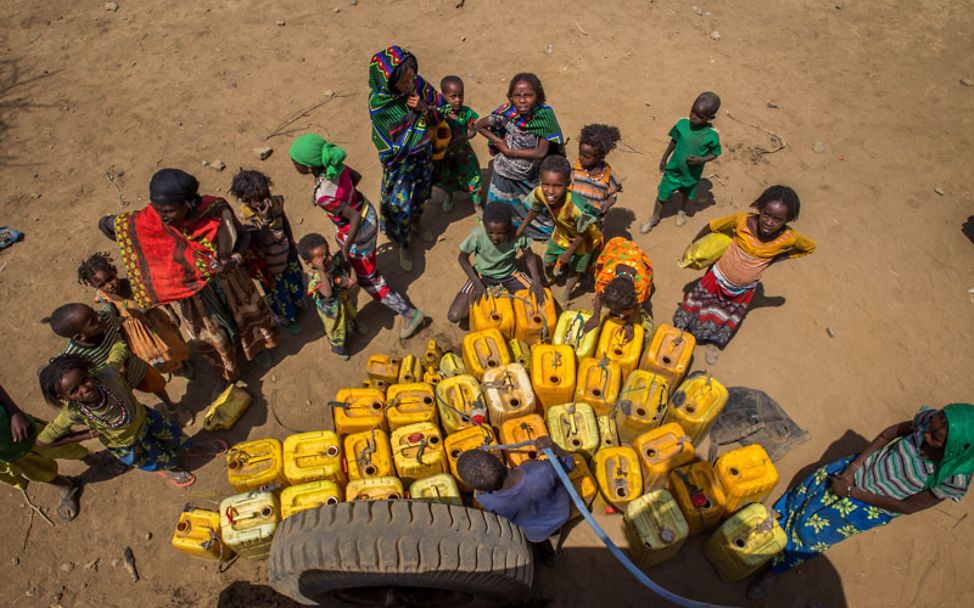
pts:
pixel 539 120
pixel 170 186
pixel 311 150
pixel 397 131
pixel 958 456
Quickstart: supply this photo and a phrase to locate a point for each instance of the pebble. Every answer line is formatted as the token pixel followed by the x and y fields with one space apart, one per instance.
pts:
pixel 338 10
pixel 830 331
pixel 353 2
pixel 111 6
pixel 697 10
pixel 148 535
pixel 219 165
pixel 818 147
pixel 463 38
pixel 967 82
pixel 205 163
pixel 273 378
pixel 115 561
pixel 329 93
pixel 281 23
pixel 300 221
pixel 263 152
pixel 715 35
pixel 550 49
pixel 67 567
pixel 772 105
pixel 29 592
pixel 16 560
pixel 939 190
pixel 36 195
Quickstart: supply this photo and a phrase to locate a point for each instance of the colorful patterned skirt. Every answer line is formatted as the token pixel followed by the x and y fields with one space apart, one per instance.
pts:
pixel 286 291
pixel 407 183
pixel 815 519
pixel 156 451
pixel 713 309
pixel 512 192
pixel 459 171
pixel 362 257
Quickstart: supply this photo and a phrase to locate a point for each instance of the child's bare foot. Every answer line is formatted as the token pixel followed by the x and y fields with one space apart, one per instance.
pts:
pixel 681 218
pixel 67 507
pixel 711 354
pixel 648 225
pixel 178 477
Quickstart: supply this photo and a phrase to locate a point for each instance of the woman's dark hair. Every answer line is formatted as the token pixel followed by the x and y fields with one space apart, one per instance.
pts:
pixel 249 185
pixel 408 62
pixel 780 193
pixel 481 471
pixel 498 213
pixel 64 319
pixel 56 369
pixel 556 164
pixel 531 79
pixel 96 262
pixel 308 242
pixel 620 294
pixel 603 138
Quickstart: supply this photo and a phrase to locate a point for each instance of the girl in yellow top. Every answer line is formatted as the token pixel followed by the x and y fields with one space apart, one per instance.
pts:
pixel 713 309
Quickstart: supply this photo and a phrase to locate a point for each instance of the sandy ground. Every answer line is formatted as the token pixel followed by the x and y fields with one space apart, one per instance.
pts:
pixel 166 83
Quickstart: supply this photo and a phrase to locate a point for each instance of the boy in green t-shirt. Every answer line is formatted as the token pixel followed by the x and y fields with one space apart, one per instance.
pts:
pixel 694 142
pixel 459 169
pixel 496 248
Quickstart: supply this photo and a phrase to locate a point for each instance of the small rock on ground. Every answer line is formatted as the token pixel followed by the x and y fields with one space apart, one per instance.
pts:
pixel 818 147
pixel 111 6
pixel 939 190
pixel 715 35
pixel 218 165
pixel 263 152
pixel 967 82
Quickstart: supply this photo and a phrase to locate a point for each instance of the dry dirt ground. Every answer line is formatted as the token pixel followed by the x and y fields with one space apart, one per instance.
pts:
pixel 173 83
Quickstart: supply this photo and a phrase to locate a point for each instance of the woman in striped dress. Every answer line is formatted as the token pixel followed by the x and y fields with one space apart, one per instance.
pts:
pixel 909 467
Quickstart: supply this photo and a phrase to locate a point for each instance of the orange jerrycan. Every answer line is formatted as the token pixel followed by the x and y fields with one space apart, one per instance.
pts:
pixel 383 370
pixel 248 522
pixel 517 430
pixel 470 438
pixel 410 404
pixel 507 393
pixel 359 409
pixel 451 365
pixel 553 373
pixel 368 454
pixel 573 427
pixel 669 353
pixel 440 488
pixel 197 534
pixel 410 370
pixel 745 542
pixel 697 491
pixel 608 432
pixel 494 310
pixel 642 404
pixel 257 463
pixel 534 323
pixel 655 527
pixel 618 474
pixel 417 450
pixel 660 451
pixel 614 346
pixel 583 482
pixel 696 404
pixel 746 475
pixel 570 330
pixel 484 350
pixel 460 403
pixel 374 488
pixel 598 384
pixel 301 497
pixel 520 353
pixel 432 356
pixel 313 456
pixel 226 409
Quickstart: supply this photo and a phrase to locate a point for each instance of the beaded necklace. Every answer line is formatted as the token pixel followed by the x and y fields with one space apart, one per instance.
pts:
pixel 123 418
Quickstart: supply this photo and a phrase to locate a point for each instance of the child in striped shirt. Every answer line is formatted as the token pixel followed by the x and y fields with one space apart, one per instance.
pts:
pixel 592 177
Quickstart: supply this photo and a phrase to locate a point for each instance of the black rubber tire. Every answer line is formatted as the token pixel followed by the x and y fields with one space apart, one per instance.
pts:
pixel 345 554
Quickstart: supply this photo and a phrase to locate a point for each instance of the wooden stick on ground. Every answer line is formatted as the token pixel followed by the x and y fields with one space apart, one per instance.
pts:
pixel 777 139
pixel 303 114
pixel 113 180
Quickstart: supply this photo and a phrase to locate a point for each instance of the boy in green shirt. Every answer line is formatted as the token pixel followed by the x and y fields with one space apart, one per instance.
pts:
pixel 496 248
pixel 693 143
pixel 459 170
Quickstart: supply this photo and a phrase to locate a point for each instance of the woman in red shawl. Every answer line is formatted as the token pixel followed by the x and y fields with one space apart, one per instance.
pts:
pixel 185 249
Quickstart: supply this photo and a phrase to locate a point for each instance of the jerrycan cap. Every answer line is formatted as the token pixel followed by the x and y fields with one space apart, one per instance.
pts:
pixel 477 419
pixel 667 536
pixel 699 499
pixel 415 437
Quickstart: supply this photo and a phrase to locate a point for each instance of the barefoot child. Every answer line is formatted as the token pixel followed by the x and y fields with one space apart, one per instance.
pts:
pixel 623 284
pixel 693 143
pixel 459 169
pixel 496 250
pixel 577 232
pixel 328 283
pixel 264 216
pixel 713 309
pixel 523 132
pixel 592 177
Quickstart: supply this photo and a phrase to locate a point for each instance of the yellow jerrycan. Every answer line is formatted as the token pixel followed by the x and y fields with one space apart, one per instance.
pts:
pixel 248 522
pixel 410 370
pixel 660 451
pixel 432 378
pixel 226 409
pixel 642 404
pixel 534 323
pixel 460 403
pixel 368 454
pixel 432 356
pixel 697 491
pixel 618 474
pixel 313 456
pixel 440 488
pixel 470 438
pixel 383 370
pixel 598 382
pixel 696 404
pixel 359 409
pixel 704 251
pixel 417 450
pixel 517 430
pixel 507 393
pixel 669 354
pixel 451 365
pixel 745 542
pixel 484 350
pixel 197 534
pixel 495 310
pixel 574 428
pixel 374 488
pixel 520 353
pixel 301 497
pixel 583 482
pixel 746 475
pixel 410 404
pixel 655 528
pixel 570 330
pixel 256 463
pixel 608 432
pixel 553 374
pixel 614 346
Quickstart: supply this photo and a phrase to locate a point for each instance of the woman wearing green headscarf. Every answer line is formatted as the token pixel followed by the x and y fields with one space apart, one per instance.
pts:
pixel 909 467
